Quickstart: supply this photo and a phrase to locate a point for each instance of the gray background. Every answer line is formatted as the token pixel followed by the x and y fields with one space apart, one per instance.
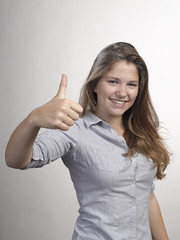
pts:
pixel 40 40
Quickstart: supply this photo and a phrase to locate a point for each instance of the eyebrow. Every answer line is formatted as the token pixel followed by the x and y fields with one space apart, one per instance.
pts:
pixel 118 79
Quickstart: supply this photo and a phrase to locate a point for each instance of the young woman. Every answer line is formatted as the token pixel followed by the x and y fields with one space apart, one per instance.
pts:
pixel 113 151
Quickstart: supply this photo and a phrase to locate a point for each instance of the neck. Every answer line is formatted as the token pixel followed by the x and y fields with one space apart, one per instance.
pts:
pixel 115 122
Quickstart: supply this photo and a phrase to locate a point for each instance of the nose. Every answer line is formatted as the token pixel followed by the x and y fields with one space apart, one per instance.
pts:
pixel 121 92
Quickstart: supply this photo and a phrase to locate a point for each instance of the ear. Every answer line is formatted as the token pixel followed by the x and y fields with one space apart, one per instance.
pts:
pixel 95 86
pixel 95 89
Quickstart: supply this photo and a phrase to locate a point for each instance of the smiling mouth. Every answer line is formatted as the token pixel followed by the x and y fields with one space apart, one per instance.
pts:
pixel 117 102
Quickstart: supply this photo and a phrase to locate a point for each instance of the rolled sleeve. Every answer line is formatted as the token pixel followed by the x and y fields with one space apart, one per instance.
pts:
pixel 51 145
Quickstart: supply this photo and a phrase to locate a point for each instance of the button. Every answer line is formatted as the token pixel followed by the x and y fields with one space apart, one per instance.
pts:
pixel 133 182
pixel 134 203
pixel 133 159
pixel 133 225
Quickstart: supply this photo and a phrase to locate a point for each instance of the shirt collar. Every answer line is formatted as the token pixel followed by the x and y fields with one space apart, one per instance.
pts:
pixel 91 118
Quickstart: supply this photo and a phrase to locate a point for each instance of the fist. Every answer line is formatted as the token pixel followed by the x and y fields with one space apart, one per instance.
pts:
pixel 59 113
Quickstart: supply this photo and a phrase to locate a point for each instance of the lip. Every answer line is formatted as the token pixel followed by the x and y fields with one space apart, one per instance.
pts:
pixel 118 102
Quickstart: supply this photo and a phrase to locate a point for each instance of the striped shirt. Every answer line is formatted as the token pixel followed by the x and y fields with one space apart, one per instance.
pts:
pixel 113 191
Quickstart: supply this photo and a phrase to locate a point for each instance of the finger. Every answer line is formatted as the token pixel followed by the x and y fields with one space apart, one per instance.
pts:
pixel 68 121
pixel 62 88
pixel 63 126
pixel 65 123
pixel 72 114
pixel 76 107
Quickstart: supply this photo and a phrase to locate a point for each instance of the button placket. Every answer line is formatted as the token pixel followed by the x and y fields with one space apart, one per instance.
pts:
pixel 133 200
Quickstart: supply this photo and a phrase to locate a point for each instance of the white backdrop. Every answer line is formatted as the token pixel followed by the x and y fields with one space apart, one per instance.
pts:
pixel 40 40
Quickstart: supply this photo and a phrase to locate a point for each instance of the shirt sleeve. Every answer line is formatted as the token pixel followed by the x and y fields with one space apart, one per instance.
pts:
pixel 152 187
pixel 53 144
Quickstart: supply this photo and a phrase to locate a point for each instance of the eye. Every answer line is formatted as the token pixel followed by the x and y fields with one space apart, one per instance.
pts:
pixel 133 84
pixel 113 82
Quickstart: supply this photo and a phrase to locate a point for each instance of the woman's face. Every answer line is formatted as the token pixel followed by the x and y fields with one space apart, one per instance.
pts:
pixel 117 91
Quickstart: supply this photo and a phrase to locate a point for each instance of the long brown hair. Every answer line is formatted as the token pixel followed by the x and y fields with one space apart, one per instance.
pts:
pixel 140 121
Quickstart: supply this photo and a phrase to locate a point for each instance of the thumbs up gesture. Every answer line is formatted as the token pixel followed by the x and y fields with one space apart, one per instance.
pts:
pixel 59 113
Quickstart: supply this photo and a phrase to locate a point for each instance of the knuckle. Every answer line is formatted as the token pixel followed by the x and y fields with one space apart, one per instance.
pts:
pixel 61 115
pixel 63 108
pixel 61 125
pixel 71 123
pixel 56 123
pixel 64 127
pixel 76 116
pixel 80 109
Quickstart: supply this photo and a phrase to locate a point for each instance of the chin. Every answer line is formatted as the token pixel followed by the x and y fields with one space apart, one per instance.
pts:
pixel 117 114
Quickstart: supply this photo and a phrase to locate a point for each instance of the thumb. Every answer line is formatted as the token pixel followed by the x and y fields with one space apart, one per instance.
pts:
pixel 62 87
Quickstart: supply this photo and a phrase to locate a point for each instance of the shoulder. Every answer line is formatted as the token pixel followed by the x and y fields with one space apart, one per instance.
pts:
pixel 80 128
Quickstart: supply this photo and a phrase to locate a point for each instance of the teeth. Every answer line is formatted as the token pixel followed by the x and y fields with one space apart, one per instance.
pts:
pixel 118 102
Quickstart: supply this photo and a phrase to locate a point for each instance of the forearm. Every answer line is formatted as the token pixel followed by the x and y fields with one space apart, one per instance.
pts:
pixel 19 148
pixel 158 229
pixel 59 113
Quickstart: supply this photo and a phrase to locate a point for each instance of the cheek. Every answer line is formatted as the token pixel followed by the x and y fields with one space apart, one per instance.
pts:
pixel 135 94
pixel 102 92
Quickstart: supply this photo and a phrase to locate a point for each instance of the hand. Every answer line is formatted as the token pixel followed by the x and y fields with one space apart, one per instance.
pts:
pixel 60 112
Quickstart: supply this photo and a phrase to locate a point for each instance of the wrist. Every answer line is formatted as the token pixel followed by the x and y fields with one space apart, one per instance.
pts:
pixel 32 120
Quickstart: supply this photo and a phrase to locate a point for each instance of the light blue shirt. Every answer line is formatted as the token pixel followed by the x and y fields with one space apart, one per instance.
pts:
pixel 113 191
